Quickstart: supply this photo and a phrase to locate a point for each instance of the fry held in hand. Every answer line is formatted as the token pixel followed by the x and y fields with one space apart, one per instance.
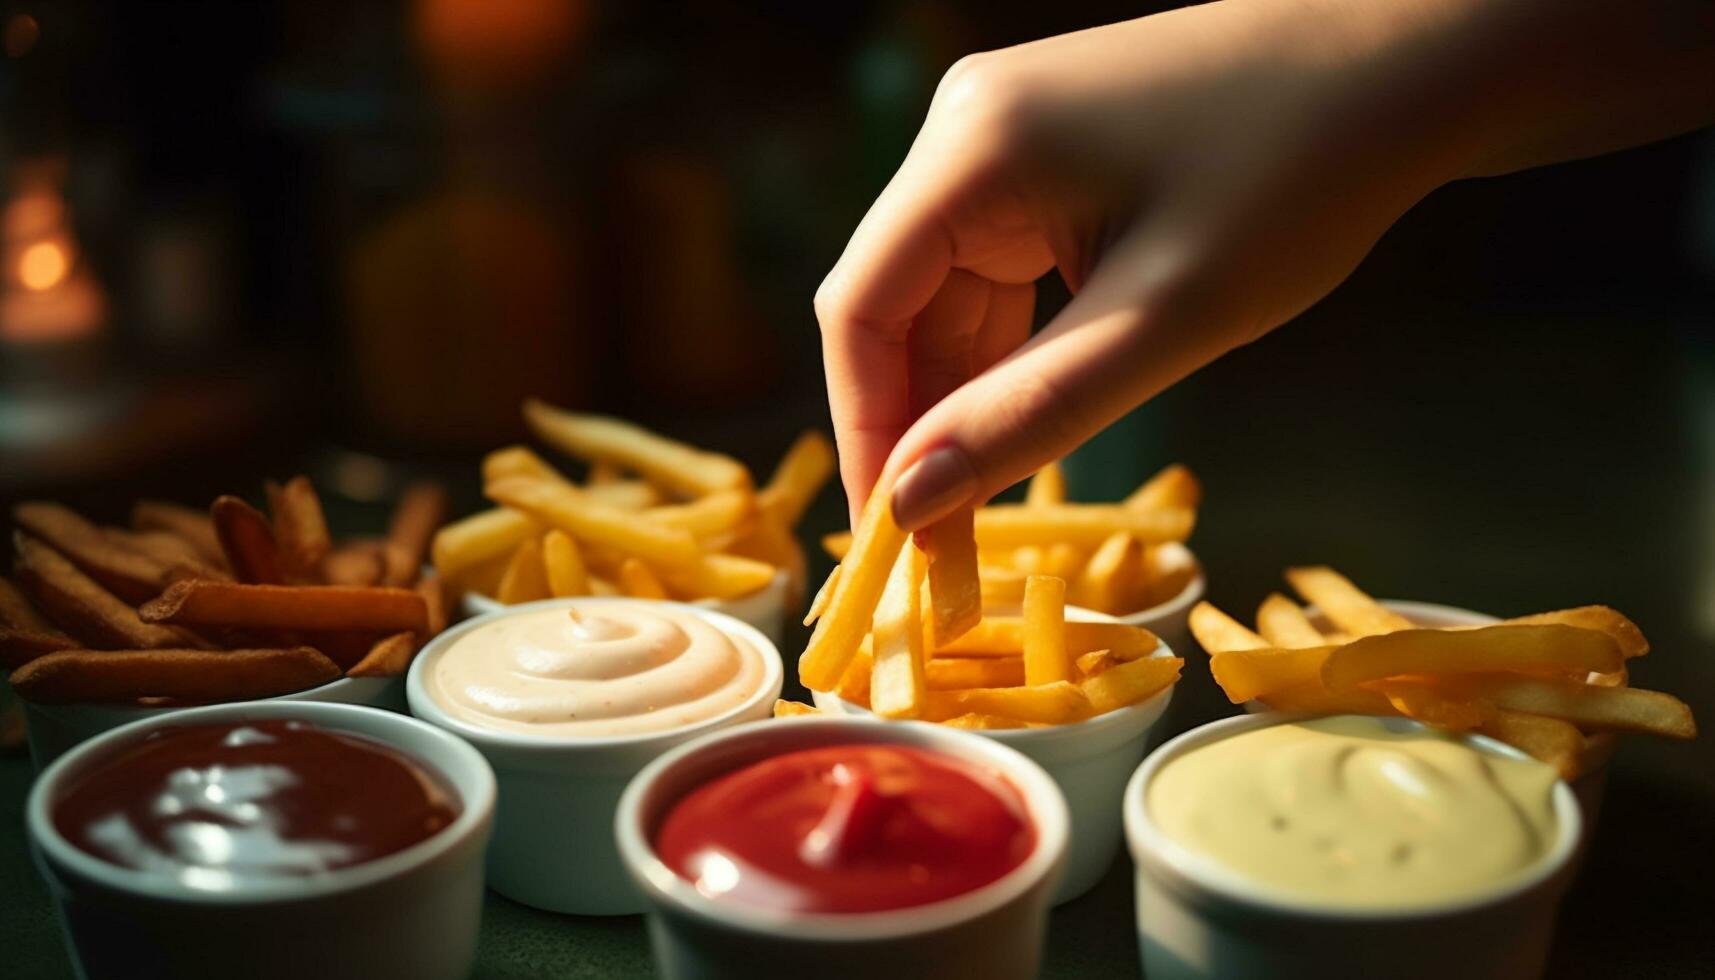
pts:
pixel 896 681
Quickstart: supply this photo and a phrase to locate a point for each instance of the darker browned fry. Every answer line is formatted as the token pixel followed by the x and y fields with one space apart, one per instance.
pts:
pixel 129 574
pixel 182 675
pixel 315 608
pixel 247 540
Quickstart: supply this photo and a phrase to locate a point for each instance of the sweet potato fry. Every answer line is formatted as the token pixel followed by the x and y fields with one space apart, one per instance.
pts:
pixel 841 629
pixel 434 595
pixel 126 573
pixel 1218 632
pixel 1174 486
pixel 85 610
pixel 318 608
pixel 17 613
pixel 354 563
pixel 664 461
pixel 181 675
pixel 1344 604
pixel 247 540
pixel 421 509
pixel 20 646
pixel 300 529
pixel 1083 526
pixel 955 592
pixel 387 658
pixel 189 523
pixel 1530 649
pixel 797 478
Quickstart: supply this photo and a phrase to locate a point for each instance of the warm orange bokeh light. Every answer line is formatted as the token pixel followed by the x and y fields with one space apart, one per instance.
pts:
pixel 42 266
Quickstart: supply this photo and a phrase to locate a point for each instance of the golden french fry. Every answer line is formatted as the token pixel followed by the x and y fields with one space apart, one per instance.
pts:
pixel 1001 586
pixel 1251 673
pixel 798 477
pixel 526 578
pixel 717 577
pixel 1112 575
pixel 770 541
pixel 1047 487
pixel 1588 706
pixel 355 563
pixel 981 722
pixel 637 581
pixel 1046 658
pixel 1344 604
pixel 518 461
pixel 837 544
pixel 318 608
pixel 824 595
pixel 126 573
pixel 1549 740
pixel 1131 683
pixel 1169 568
pixel 187 522
pixel 389 657
pixel 1617 678
pixel 624 494
pixel 421 509
pixel 1312 698
pixel 1174 486
pixel 952 673
pixel 1425 704
pixel 1093 663
pixel 1053 704
pixel 77 604
pixel 483 579
pixel 955 592
pixel 718 513
pixel 602 587
pixel 1599 618
pixel 300 529
pixel 854 683
pixel 1283 624
pixel 896 680
pixel 663 461
pixel 875 546
pixel 247 539
pixel 794 709
pixel 1001 526
pixel 1531 649
pixel 1218 632
pixel 564 564
pixel 582 518
pixel 480 539
pixel 181 675
pixel 1060 560
pixel 999 636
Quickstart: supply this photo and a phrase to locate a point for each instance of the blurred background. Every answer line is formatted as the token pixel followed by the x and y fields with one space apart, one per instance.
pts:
pixel 242 240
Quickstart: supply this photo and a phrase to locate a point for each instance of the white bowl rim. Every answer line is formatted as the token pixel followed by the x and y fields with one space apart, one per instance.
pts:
pixel 424 706
pixel 450 754
pixel 1046 803
pixel 486 603
pixel 145 712
pixel 1148 843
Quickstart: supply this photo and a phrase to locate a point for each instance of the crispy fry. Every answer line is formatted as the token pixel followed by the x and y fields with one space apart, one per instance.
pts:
pixel 1093 663
pixel 1174 486
pixel 1169 569
pixel 189 523
pixel 1425 704
pixel 794 709
pixel 1000 526
pixel 998 636
pixel 434 595
pixel 1001 586
pixel 20 646
pixel 1060 560
pixel 1131 683
pixel 717 576
pixel 1047 487
pixel 603 587
pixel 955 592
pixel 597 523
pixel 1246 674
pixel 981 722
pixel 526 578
pixel 17 613
pixel 772 542
pixel 247 540
pixel 797 478
pixel 637 581
pixel 1112 575
pixel 181 675
pixel 1516 648
pixel 126 573
pixel 1283 624
pixel 854 683
pixel 356 563
pixel 1053 704
pixel 1599 618
pixel 567 574
pixel 421 509
pixel 518 461
pixel 624 494
pixel 179 557
pixel 300 529
pixel 319 608
pixel 1218 632
pixel 81 607
pixel 952 673
pixel 664 461
pixel 1311 697
pixel 480 539
pixel 604 471
pixel 723 512
pixel 1588 706
pixel 1344 604
pixel 837 544
pixel 896 680
pixel 387 658
pixel 1549 740
pixel 824 595
pixel 1046 658
pixel 840 629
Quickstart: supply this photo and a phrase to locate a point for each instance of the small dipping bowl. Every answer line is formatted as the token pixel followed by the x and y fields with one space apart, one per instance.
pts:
pixel 1171 620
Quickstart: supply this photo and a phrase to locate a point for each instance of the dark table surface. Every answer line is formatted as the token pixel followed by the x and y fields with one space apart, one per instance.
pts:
pixel 1508 466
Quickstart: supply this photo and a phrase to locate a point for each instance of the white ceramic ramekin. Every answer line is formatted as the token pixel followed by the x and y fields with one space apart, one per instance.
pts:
pixel 553 843
pixel 1590 785
pixel 55 728
pixel 1198 919
pixel 994 932
pixel 764 609
pixel 1090 760
pixel 412 915
pixel 1171 619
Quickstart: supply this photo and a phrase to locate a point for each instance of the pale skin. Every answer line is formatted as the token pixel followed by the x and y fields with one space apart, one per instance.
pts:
pixel 1198 178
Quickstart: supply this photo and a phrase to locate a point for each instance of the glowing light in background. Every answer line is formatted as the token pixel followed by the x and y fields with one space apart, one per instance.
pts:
pixel 42 266
pixel 21 35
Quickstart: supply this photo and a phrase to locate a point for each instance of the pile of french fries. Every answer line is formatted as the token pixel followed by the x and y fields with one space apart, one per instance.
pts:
pixel 228 604
pixel 1115 558
pixel 1542 683
pixel 655 518
pixel 900 629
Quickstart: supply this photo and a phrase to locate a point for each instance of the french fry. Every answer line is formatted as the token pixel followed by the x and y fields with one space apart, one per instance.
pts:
pixel 999 636
pixel 604 471
pixel 20 646
pixel 1051 704
pixel 483 579
pixel 663 461
pixel 1000 586
pixel 1001 526
pixel 1174 486
pixel 723 512
pixel 717 576
pixel 300 529
pixel 1252 673
pixel 794 709
pixel 1312 698
pixel 179 557
pixel 1553 648
pixel 1093 663
pixel 518 461
pixel 434 595
pixel 186 522
pixel 17 613
pixel 1425 704
pixel 1060 560
pixel 1047 487
pixel 797 478
pixel 1588 706
pixel 854 683
pixel 896 680
pixel 1283 624
pixel 624 494
pixel 955 592
pixel 770 541
pixel 181 675
pixel 356 563
pixel 526 578
pixel 1131 683
pixel 1046 658
pixel 1549 740
pixel 421 509
pixel 126 573
pixel 637 581
pixel 480 539
pixel 318 608
pixel 82 608
pixel 1218 632
pixel 387 658
pixel 1168 569
pixel 603 587
pixel 1599 618
pixel 1344 604
pixel 567 574
pixel 247 540
pixel 875 546
pixel 981 722
pixel 837 544
pixel 952 673
pixel 586 520
pixel 1111 576
pixel 824 595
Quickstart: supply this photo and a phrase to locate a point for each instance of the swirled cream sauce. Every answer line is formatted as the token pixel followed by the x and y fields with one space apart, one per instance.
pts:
pixel 601 669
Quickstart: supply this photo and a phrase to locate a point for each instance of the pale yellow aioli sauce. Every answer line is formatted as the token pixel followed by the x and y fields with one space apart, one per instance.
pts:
pixel 607 668
pixel 1344 811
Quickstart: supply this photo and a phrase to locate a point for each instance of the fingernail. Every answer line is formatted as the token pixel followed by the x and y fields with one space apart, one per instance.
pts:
pixel 933 487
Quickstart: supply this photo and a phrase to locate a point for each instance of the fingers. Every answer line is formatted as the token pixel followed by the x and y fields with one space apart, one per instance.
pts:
pixel 1006 324
pixel 941 341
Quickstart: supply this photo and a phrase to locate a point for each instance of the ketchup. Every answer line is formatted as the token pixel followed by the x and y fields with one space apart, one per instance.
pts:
pixel 849 828
pixel 213 804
